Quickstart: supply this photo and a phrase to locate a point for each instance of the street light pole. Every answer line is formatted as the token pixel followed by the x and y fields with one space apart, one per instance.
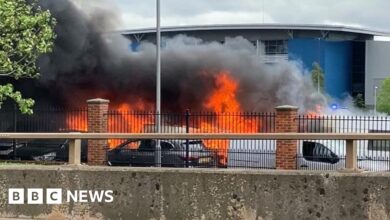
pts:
pixel 375 91
pixel 157 154
pixel 319 64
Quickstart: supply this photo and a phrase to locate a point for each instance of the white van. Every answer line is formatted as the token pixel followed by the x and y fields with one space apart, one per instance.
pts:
pixel 311 154
pixel 320 154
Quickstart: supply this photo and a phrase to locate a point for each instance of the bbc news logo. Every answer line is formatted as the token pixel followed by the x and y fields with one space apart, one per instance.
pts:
pixel 55 196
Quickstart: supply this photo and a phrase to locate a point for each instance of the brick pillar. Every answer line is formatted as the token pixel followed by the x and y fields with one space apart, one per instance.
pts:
pixel 97 123
pixel 286 150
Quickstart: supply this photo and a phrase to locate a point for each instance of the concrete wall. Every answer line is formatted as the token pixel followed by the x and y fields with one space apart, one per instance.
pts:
pixel 377 67
pixel 203 194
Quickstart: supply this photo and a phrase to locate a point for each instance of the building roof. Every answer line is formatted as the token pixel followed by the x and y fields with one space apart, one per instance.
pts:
pixel 319 27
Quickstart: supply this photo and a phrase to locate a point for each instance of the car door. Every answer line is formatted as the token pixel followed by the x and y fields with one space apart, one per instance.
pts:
pixel 123 153
pixel 144 155
pixel 169 156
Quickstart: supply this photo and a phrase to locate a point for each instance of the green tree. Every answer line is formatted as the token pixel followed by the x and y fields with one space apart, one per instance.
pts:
pixel 383 99
pixel 317 76
pixel 358 101
pixel 26 32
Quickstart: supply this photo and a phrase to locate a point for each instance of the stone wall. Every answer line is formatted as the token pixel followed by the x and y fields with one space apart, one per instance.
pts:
pixel 151 193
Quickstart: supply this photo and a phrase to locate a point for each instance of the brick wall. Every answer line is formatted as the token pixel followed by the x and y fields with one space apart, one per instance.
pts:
pixel 97 123
pixel 286 150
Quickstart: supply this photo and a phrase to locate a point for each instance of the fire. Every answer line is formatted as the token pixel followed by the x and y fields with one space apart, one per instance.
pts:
pixel 223 98
pixel 315 113
pixel 131 120
pixel 76 121
pixel 223 101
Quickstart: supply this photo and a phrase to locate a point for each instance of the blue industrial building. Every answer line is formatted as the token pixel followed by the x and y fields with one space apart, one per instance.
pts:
pixel 334 57
pixel 339 50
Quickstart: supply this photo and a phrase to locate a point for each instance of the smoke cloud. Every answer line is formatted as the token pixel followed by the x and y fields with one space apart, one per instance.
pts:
pixel 90 61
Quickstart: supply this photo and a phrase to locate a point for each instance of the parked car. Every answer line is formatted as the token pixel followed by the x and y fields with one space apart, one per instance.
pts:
pixel 7 148
pixel 44 150
pixel 173 154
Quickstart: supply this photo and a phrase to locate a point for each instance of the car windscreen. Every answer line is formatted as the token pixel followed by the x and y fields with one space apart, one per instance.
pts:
pixel 147 145
pixel 128 144
pixel 193 145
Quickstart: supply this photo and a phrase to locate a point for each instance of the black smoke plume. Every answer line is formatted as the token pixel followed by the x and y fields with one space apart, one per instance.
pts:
pixel 89 60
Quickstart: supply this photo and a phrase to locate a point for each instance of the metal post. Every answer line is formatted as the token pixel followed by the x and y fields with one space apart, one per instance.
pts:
pixel 157 153
pixel 187 141
pixel 15 130
pixel 375 91
pixel 319 64
pixel 263 10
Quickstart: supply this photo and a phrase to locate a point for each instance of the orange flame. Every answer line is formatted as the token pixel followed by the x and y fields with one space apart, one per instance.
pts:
pixel 315 113
pixel 76 121
pixel 133 123
pixel 223 100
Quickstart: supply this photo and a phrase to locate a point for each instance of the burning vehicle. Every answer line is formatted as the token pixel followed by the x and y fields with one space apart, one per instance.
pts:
pixel 173 154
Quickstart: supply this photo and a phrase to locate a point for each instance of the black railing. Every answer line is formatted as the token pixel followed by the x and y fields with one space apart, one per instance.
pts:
pixel 319 154
pixel 342 124
pixel 43 120
pixel 197 122
pixel 192 153
pixel 323 154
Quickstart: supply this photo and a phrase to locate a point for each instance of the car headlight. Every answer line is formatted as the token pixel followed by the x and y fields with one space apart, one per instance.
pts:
pixel 48 156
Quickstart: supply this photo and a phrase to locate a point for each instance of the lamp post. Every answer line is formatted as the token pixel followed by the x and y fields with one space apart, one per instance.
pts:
pixel 375 97
pixel 319 64
pixel 157 153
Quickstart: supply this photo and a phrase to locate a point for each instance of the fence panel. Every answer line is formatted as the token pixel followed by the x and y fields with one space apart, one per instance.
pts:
pixel 227 153
pixel 43 120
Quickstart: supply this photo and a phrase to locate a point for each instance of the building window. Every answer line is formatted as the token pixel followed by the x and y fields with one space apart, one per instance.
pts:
pixel 275 47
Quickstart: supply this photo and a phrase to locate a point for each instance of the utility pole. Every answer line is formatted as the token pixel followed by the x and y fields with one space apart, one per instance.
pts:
pixel 263 10
pixel 157 153
pixel 319 63
pixel 375 94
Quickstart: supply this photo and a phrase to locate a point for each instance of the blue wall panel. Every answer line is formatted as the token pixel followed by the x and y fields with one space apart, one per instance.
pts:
pixel 338 68
pixel 306 51
pixel 335 58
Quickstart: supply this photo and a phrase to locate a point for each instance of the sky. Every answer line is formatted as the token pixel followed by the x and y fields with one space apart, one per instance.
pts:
pixel 372 14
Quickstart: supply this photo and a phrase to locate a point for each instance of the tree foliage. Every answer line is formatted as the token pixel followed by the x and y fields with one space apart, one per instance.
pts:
pixel 358 101
pixel 383 99
pixel 26 32
pixel 317 76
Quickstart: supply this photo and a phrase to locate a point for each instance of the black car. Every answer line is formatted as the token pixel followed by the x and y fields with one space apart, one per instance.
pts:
pixel 45 150
pixel 173 154
pixel 7 148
